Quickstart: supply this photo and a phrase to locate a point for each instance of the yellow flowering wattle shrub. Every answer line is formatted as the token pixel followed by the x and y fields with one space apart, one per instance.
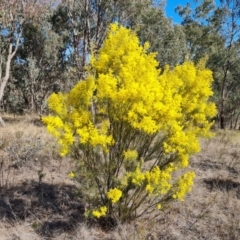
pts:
pixel 130 126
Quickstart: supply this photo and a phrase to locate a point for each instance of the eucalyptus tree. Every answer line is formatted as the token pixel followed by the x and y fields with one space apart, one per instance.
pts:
pixel 84 24
pixel 165 38
pixel 42 67
pixel 14 17
pixel 202 37
pixel 226 61
pixel 214 31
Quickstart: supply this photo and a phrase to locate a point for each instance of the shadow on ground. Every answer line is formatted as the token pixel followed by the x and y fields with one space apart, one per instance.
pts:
pixel 50 209
pixel 206 164
pixel 12 119
pixel 223 185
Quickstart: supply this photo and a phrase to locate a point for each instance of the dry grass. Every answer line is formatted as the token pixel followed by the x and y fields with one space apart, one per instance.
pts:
pixel 38 201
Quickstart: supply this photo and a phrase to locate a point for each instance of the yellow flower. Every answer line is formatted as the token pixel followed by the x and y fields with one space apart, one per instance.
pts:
pixel 114 195
pixel 130 155
pixel 159 181
pixel 137 177
pixel 100 212
pixel 71 175
pixel 184 185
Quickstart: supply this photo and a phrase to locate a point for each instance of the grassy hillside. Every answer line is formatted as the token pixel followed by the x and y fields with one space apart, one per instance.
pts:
pixel 39 201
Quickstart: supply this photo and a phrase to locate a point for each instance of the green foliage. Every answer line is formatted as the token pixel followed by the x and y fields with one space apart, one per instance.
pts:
pixel 215 31
pixel 165 38
pixel 225 62
pixel 201 37
pixel 129 128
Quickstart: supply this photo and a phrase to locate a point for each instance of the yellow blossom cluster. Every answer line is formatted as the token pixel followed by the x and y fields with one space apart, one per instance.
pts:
pixel 101 212
pixel 114 195
pixel 137 177
pixel 158 182
pixel 71 175
pixel 192 88
pixel 130 155
pixel 175 102
pixel 72 119
pixel 184 185
pixel 155 181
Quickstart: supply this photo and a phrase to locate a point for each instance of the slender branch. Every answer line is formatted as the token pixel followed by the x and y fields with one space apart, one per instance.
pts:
pixel 1 63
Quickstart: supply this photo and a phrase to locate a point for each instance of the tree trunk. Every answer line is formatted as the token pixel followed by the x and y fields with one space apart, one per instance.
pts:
pixel 222 121
pixel 2 122
pixel 4 80
pixel 236 121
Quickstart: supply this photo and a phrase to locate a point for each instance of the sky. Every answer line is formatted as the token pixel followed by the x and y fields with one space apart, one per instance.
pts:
pixel 172 4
